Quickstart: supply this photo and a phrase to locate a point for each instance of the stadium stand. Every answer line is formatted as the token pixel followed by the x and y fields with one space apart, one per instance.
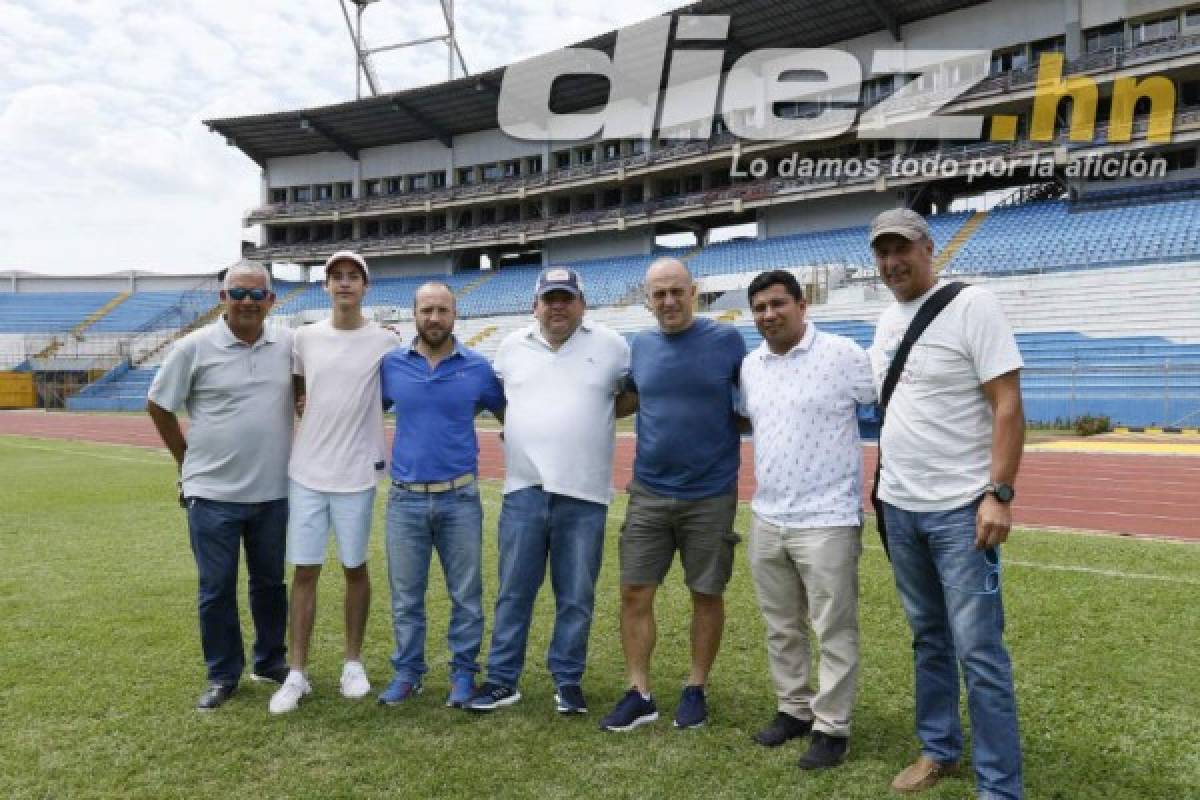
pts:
pixel 1048 236
pixel 48 312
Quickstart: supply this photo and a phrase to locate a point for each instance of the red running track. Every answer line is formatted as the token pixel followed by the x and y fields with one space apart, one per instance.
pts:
pixel 1138 495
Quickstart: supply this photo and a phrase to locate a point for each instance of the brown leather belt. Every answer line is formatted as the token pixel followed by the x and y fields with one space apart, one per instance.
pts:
pixel 436 486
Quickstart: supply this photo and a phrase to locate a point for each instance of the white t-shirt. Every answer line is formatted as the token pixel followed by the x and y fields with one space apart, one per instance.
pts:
pixel 937 434
pixel 807 453
pixel 340 445
pixel 558 426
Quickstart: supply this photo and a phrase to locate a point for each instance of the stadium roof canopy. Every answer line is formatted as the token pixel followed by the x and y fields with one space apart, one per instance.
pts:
pixel 441 111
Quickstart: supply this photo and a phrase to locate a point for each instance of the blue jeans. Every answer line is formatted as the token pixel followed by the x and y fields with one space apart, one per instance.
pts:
pixel 217 531
pixel 535 526
pixel 452 523
pixel 951 595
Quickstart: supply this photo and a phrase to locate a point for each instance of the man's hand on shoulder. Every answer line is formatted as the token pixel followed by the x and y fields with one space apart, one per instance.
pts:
pixel 992 523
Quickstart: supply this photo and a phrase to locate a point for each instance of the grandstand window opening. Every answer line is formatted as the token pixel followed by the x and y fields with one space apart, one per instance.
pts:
pixel 535 165
pixel 1153 30
pixel 669 187
pixel 512 169
pixel 612 151
pixel 635 193
pixel 487 216
pixel 371 229
pixel 533 211
pixel 1191 18
pixel 279 195
pixel 418 183
pixel 323 233
pixel 466 176
pixel 612 198
pixel 585 155
pixel 1104 37
pixel 302 194
pixel 562 159
pixel 694 183
pixel 637 147
pixel 720 179
pixel 373 187
pixel 345 230
pixel 395 185
pixel 437 180
pixel 491 173
pixel 463 220
pixel 562 205
pixel 393 227
pixel 277 235
pixel 587 202
pixel 1055 44
pixel 511 213
pixel 325 192
pixel 415 225
pixel 345 190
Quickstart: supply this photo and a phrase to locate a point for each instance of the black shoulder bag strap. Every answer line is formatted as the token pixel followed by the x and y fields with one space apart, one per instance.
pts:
pixel 925 315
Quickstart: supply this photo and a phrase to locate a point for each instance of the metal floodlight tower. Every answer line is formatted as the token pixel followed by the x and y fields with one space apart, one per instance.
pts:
pixel 363 65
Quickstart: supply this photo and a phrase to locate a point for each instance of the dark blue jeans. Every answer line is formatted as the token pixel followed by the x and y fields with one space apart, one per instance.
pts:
pixel 951 595
pixel 536 527
pixel 218 530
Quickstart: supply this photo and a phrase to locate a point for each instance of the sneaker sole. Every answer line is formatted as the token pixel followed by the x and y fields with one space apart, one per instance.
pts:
pixel 645 719
pixel 508 701
pixel 566 710
pixel 699 724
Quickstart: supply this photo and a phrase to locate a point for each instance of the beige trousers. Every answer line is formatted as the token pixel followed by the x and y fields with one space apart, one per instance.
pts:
pixel 808 578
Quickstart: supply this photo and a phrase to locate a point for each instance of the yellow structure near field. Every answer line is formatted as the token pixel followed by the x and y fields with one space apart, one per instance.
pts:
pixel 16 390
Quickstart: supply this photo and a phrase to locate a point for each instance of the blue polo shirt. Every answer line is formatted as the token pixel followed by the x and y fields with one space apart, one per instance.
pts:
pixel 688 445
pixel 435 411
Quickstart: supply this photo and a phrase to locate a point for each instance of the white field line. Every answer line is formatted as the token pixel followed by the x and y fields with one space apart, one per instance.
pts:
pixel 149 459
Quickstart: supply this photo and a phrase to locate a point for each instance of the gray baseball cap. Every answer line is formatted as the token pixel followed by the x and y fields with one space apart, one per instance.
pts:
pixel 900 221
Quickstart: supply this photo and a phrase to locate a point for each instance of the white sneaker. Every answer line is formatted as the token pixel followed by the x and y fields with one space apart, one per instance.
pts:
pixel 287 697
pixel 354 680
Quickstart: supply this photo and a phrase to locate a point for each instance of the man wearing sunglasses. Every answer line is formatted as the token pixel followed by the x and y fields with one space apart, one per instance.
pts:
pixel 234 378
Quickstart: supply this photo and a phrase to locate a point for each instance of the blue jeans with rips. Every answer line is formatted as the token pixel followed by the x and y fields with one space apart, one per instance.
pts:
pixel 218 530
pixel 537 527
pixel 951 595
pixel 452 523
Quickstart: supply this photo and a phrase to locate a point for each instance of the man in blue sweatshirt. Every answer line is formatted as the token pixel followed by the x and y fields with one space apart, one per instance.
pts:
pixel 683 496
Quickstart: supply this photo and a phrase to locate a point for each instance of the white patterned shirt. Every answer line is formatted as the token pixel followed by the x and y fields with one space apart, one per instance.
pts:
pixel 807 452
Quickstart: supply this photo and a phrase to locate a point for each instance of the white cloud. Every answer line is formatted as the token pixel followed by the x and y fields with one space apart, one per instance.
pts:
pixel 105 161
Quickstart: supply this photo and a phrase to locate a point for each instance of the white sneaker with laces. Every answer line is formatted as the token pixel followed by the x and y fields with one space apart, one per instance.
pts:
pixel 354 680
pixel 287 697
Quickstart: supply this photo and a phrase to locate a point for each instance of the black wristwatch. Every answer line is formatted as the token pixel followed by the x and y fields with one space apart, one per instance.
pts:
pixel 1003 492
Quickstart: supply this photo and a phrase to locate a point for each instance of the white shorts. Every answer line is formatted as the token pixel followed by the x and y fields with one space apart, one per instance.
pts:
pixel 311 514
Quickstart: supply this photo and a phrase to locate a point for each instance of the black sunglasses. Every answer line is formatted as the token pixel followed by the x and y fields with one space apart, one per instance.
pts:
pixel 238 294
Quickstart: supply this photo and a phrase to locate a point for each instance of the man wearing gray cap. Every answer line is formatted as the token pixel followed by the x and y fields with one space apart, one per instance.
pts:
pixel 561 376
pixel 950 446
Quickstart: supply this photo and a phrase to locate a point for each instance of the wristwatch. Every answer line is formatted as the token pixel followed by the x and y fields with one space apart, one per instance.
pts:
pixel 1001 491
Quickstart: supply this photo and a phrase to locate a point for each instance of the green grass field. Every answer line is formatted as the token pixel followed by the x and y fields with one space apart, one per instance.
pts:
pixel 100 665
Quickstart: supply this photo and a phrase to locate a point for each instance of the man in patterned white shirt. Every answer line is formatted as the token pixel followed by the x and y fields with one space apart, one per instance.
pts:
pixel 800 389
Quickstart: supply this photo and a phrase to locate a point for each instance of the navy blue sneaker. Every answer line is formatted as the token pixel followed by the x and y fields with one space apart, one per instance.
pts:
pixel 399 691
pixel 462 689
pixel 693 708
pixel 569 699
pixel 631 711
pixel 491 696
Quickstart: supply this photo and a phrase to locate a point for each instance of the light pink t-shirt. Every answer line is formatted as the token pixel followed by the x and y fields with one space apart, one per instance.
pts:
pixel 340 444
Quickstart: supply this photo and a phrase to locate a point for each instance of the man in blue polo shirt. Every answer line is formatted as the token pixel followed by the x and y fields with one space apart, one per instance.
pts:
pixel 436 387
pixel 683 495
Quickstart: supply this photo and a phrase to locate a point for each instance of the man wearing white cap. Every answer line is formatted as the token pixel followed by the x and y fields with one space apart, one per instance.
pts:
pixel 338 455
pixel 953 432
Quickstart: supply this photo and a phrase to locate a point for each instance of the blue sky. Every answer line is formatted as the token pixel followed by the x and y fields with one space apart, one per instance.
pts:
pixel 104 161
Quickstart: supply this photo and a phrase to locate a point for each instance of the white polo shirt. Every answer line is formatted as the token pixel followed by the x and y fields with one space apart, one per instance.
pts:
pixel 807 452
pixel 558 426
pixel 937 434
pixel 238 398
